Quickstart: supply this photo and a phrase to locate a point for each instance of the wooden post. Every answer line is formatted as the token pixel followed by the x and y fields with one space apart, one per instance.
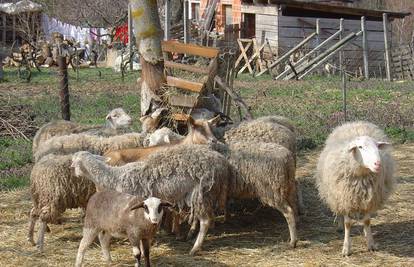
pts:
pixel 167 22
pixel 341 53
pixel 4 29
pixel 14 28
pixel 130 38
pixel 186 32
pixel 344 94
pixel 64 88
pixel 387 47
pixel 365 46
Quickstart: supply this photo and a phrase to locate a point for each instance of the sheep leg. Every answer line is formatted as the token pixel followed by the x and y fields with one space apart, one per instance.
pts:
pixel 32 223
pixel 146 250
pixel 176 226
pixel 368 234
pixel 193 229
pixel 204 224
pixel 290 217
pixel 340 224
pixel 105 240
pixel 89 235
pixel 41 237
pixel 137 254
pixel 346 250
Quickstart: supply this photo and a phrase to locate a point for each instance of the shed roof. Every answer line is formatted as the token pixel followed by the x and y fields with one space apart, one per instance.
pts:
pixel 310 9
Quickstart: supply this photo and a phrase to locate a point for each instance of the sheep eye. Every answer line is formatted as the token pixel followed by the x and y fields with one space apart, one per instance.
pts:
pixel 159 209
pixel 360 147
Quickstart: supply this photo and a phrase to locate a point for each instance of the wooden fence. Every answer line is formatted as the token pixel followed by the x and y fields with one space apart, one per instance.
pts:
pixel 403 63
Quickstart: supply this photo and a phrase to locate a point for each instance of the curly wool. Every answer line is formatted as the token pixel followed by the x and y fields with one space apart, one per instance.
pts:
pixel 262 170
pixel 263 130
pixel 54 189
pixel 95 144
pixel 346 187
pixel 191 175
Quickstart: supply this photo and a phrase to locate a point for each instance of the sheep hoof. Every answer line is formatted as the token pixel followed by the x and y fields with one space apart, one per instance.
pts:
pixel 47 229
pixel 193 252
pixel 31 241
pixel 373 247
pixel 190 235
pixel 346 252
pixel 293 243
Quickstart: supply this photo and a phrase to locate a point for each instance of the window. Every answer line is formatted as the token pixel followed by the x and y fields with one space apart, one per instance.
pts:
pixel 228 14
pixel 195 11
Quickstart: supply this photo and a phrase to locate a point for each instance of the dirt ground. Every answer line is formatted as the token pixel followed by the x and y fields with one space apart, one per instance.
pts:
pixel 246 240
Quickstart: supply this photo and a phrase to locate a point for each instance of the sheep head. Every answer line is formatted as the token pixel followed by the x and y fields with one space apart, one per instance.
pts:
pixel 200 131
pixel 366 151
pixel 118 118
pixel 153 209
pixel 79 158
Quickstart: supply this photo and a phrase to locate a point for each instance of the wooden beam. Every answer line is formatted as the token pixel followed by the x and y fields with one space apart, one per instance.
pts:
pixel 130 37
pixel 182 101
pixel 180 116
pixel 387 47
pixel 4 29
pixel 186 67
pixel 236 98
pixel 186 23
pixel 189 49
pixel 184 84
pixel 167 22
pixel 365 47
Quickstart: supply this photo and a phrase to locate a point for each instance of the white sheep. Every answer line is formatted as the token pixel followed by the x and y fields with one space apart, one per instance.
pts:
pixel 117 122
pixel 355 175
pixel 162 136
pixel 110 213
pixel 192 176
pixel 68 144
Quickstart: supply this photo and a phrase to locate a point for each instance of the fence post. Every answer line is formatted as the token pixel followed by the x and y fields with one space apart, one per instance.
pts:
pixel 365 47
pixel 186 31
pixel 343 74
pixel 130 38
pixel 64 88
pixel 341 53
pixel 167 20
pixel 387 47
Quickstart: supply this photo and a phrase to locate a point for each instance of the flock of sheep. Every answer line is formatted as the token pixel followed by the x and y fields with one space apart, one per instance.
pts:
pixel 128 189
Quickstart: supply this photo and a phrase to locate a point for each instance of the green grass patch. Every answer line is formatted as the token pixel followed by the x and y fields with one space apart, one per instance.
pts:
pixel 14 182
pixel 14 153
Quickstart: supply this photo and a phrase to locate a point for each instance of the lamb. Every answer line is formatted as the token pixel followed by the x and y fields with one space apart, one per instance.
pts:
pixel 162 136
pixel 110 213
pixel 355 175
pixel 96 144
pixel 199 132
pixel 53 190
pixel 192 176
pixel 151 122
pixel 117 122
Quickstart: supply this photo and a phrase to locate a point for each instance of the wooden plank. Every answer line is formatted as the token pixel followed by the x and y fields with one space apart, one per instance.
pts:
pixel 182 101
pixel 255 9
pixel 387 47
pixel 266 19
pixel 365 47
pixel 184 84
pixel 190 49
pixel 186 67
pixel 297 22
pixel 180 116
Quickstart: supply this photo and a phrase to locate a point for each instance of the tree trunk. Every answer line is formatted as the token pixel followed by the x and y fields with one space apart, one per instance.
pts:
pixel 148 35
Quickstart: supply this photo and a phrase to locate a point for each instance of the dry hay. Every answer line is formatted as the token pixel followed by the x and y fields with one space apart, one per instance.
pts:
pixel 243 241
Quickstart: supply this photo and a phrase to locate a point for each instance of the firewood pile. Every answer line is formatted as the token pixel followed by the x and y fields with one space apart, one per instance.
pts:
pixel 17 121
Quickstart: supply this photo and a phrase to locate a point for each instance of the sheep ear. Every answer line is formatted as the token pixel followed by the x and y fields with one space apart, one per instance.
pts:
pixel 137 206
pixel 383 145
pixel 214 120
pixel 166 204
pixel 352 146
pixel 108 117
pixel 143 118
pixel 167 139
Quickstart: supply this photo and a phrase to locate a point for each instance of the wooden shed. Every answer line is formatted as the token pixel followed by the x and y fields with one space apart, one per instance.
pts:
pixel 285 23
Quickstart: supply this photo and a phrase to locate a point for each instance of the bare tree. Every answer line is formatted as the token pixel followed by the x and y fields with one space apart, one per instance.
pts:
pixel 148 36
